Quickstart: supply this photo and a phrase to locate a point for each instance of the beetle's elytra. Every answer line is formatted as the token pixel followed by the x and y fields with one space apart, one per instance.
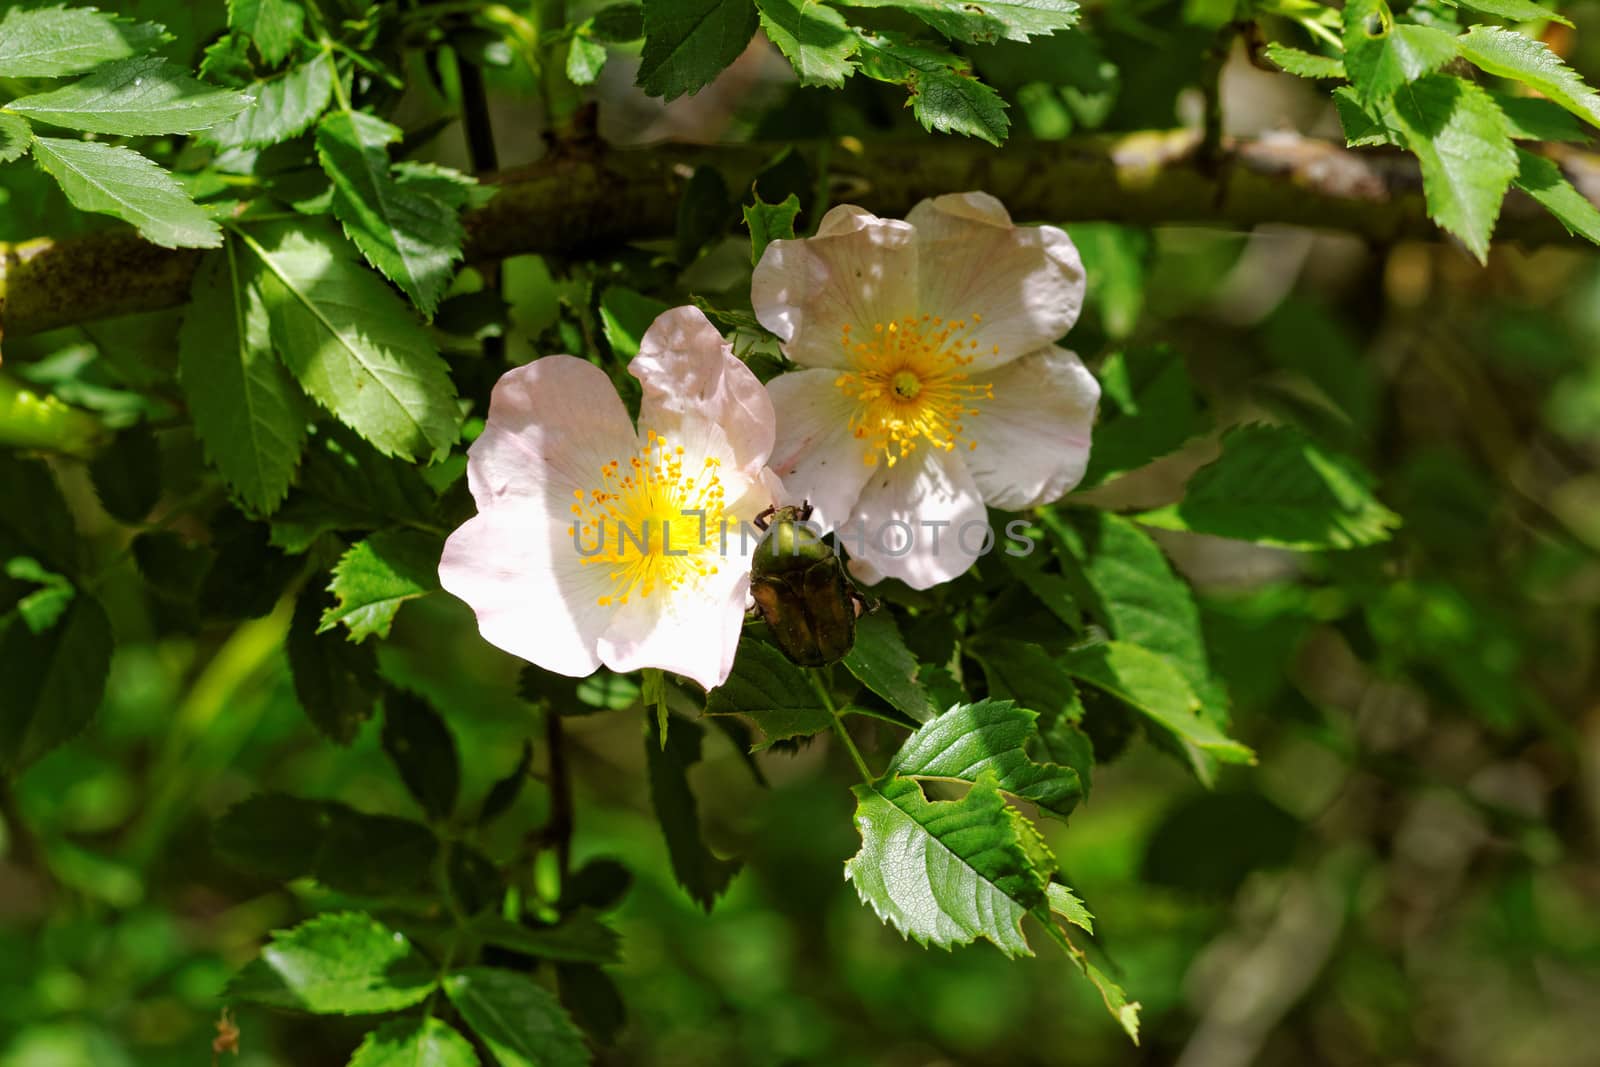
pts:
pixel 801 589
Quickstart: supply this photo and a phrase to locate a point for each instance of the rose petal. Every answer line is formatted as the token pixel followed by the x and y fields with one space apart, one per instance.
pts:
pixel 689 371
pixel 1026 283
pixel 817 456
pixel 552 425
pixel 926 504
pixel 858 270
pixel 692 635
pixel 517 568
pixel 1033 436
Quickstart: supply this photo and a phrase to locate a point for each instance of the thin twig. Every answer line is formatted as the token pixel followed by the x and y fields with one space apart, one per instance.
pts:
pixel 577 202
pixel 485 160
pixel 839 728
pixel 558 831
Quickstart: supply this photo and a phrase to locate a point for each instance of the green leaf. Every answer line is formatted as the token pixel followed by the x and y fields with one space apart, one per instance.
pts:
pixel 1509 54
pixel 1055 591
pixel 947 872
pixel 35 521
pixel 1362 128
pixel 1141 599
pixel 579 938
pixel 522 1024
pixel 472 879
pixel 1155 688
pixel 446 184
pixel 127 474
pixel 1542 179
pixel 412 238
pixel 1274 486
pixel 774 693
pixel 814 38
pixel 421 748
pixel 600 884
pixel 985 21
pixel 1513 10
pixel 49 42
pixel 346 485
pixel 335 681
pixel 653 692
pixel 594 1000
pixel 618 23
pixel 1114 262
pixel 1027 673
pixel 415 1041
pixel 1065 903
pixel 770 222
pixel 247 576
pixel 703 875
pixel 134 97
pixel 227 60
pixel 1533 118
pixel 42 608
pixel 1304 64
pixel 625 315
pixel 704 212
pixel 247 411
pixel 119 181
pixel 687 43
pixel 585 60
pixel 282 106
pixel 171 567
pixel 15 136
pixel 881 661
pixel 1381 55
pixel 945 96
pixel 1123 1010
pixel 989 737
pixel 505 790
pixel 284 838
pixel 374 577
pixel 272 24
pixel 1148 411
pixel 54 680
pixel 353 346
pixel 345 963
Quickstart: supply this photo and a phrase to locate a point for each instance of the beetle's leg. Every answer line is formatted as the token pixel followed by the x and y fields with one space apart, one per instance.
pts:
pixel 805 510
pixel 761 519
pixel 864 604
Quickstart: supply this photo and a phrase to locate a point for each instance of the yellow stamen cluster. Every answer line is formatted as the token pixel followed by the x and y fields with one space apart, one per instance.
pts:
pixel 643 507
pixel 910 385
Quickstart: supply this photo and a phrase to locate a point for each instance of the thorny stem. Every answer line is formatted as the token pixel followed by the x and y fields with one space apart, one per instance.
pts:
pixel 568 203
pixel 1316 29
pixel 838 725
pixel 339 95
pixel 558 831
pixel 34 419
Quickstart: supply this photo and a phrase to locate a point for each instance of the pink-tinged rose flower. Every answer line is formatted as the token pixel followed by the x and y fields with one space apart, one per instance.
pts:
pixel 933 385
pixel 596 543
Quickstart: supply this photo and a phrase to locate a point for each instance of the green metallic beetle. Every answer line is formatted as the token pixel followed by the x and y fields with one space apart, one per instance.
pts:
pixel 801 589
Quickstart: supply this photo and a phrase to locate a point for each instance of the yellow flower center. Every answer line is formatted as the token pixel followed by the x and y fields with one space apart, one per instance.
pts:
pixel 910 385
pixel 651 522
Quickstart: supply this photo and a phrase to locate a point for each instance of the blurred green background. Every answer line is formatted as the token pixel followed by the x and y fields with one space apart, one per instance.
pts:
pixel 1408 877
